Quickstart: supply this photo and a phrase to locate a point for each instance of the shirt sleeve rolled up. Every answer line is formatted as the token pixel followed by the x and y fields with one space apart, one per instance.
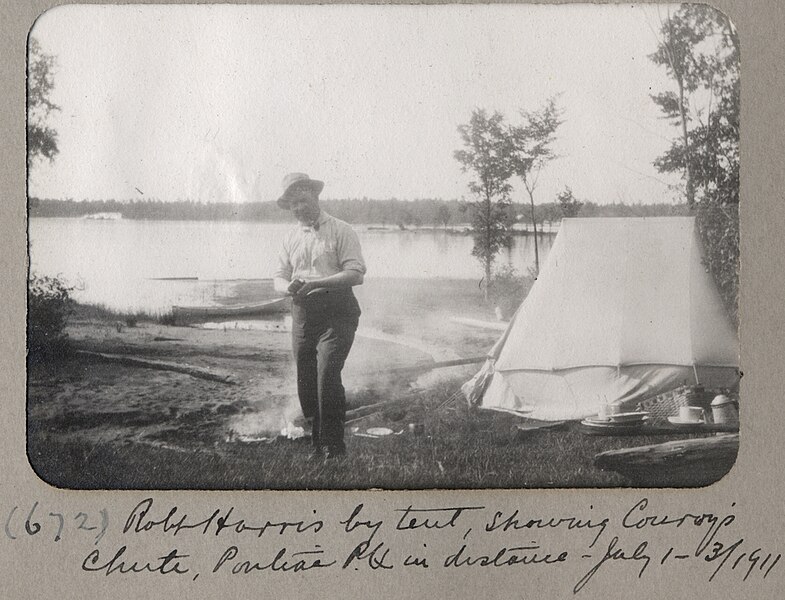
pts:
pixel 283 269
pixel 350 256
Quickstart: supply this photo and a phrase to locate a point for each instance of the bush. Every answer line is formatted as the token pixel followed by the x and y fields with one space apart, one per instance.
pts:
pixel 167 318
pixel 49 305
pixel 719 229
pixel 508 289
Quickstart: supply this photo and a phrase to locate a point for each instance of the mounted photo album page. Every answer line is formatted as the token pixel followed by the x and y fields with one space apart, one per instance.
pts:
pixel 346 247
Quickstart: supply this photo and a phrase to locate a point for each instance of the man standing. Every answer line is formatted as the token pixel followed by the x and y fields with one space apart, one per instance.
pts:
pixel 318 264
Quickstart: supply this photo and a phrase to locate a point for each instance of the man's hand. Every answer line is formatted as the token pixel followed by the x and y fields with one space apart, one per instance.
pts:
pixel 295 286
pixel 306 288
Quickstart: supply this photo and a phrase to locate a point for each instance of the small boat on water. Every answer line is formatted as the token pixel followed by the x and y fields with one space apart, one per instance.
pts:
pixel 104 216
pixel 272 306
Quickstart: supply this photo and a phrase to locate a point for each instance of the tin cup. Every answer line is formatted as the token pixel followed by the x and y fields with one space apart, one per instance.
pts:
pixel 606 410
pixel 692 414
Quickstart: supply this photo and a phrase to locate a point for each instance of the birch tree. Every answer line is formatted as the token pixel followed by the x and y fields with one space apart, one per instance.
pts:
pixel 530 151
pixel 487 157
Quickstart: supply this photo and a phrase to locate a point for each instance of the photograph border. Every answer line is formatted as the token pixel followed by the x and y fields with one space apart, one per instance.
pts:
pixel 753 488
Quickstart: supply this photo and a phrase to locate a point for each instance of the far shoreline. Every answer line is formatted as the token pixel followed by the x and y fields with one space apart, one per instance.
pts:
pixel 456 229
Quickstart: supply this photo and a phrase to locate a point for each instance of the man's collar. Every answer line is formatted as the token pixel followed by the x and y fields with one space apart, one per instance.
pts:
pixel 321 220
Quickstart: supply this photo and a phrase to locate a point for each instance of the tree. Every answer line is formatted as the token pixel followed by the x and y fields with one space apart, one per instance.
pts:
pixel 486 155
pixel 48 298
pixel 41 138
pixel 550 213
pixel 569 205
pixel 443 215
pixel 699 49
pixel 531 150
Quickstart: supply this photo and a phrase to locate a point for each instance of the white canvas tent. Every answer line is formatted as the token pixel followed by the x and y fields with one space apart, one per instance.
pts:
pixel 623 309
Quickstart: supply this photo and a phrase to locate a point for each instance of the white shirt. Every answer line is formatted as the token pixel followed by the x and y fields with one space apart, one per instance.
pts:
pixel 309 253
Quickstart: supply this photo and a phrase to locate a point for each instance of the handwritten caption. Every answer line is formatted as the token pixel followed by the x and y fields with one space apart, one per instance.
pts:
pixel 447 538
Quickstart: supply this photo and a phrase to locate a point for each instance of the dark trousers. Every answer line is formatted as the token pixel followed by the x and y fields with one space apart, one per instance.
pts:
pixel 321 341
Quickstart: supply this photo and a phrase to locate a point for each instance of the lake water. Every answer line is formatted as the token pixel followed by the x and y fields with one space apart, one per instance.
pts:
pixel 128 265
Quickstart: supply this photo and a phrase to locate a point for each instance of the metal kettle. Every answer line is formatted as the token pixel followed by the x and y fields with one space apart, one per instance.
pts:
pixel 724 410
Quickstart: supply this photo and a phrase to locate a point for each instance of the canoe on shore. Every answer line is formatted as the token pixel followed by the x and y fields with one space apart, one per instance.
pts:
pixel 275 305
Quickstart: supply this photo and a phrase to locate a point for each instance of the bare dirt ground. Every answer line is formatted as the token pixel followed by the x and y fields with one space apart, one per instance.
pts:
pixel 99 425
pixel 94 403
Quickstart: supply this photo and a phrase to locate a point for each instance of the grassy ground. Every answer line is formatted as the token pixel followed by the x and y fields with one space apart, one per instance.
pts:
pixel 459 448
pixel 99 425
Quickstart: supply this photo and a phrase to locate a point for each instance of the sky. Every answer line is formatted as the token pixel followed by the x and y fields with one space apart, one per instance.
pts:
pixel 219 102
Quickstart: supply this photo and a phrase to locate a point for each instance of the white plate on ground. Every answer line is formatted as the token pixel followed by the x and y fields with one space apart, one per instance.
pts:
pixel 680 421
pixel 379 431
pixel 628 417
pixel 608 424
pixel 596 421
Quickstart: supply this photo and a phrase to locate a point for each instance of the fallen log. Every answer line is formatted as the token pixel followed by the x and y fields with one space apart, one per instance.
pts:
pixel 365 411
pixel 369 409
pixel 430 366
pixel 135 361
pixel 659 428
pixel 680 463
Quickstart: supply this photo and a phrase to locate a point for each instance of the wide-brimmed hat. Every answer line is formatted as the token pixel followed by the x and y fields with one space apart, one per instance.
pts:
pixel 293 178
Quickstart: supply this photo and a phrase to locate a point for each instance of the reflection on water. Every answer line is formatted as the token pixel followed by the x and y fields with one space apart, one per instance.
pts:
pixel 130 265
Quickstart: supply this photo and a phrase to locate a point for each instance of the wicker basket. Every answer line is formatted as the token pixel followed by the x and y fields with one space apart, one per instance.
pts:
pixel 667 404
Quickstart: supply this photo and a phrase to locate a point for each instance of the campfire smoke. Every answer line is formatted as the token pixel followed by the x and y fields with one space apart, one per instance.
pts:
pixel 268 421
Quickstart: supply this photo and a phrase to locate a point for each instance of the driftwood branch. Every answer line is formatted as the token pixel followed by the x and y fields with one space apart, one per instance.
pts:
pixel 692 462
pixel 135 361
pixel 366 411
pixel 430 366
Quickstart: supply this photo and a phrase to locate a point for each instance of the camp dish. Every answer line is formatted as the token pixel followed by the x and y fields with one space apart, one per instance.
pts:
pixel 379 431
pixel 597 427
pixel 608 424
pixel 684 422
pixel 628 417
